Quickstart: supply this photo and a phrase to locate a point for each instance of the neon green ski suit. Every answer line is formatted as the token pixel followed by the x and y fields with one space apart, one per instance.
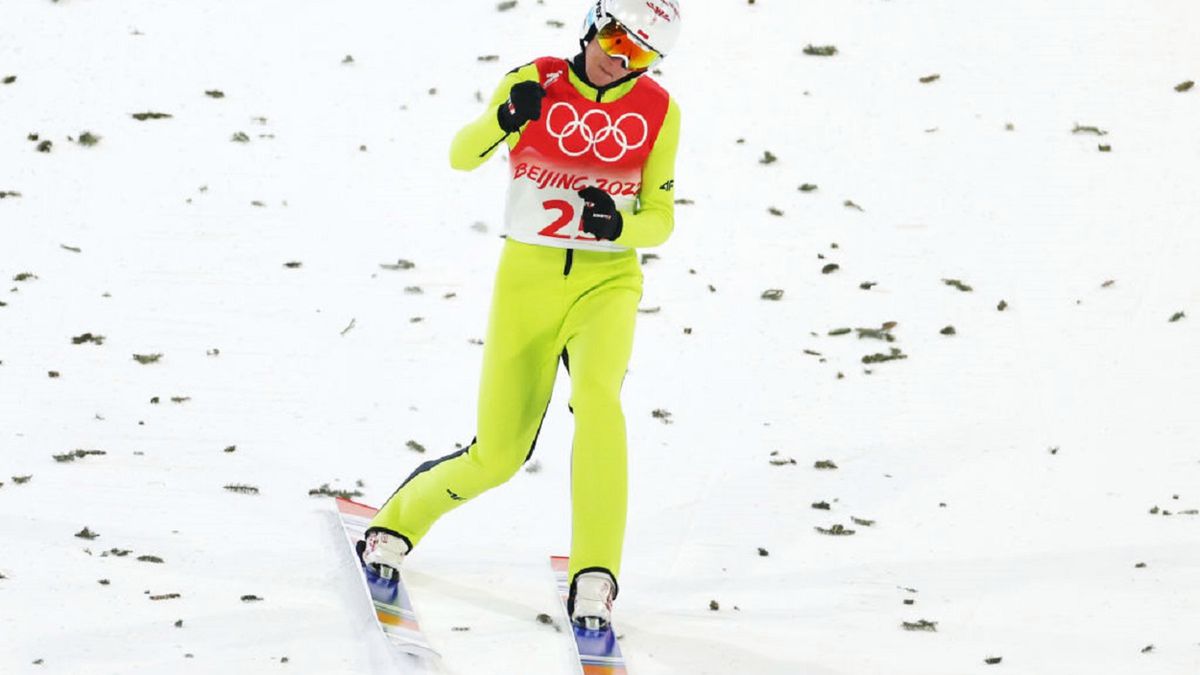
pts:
pixel 559 296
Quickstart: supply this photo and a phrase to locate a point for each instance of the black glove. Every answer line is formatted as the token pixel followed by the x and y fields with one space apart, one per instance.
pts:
pixel 600 218
pixel 524 104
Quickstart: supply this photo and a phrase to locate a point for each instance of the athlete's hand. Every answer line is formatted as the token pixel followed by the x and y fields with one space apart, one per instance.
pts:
pixel 600 218
pixel 524 104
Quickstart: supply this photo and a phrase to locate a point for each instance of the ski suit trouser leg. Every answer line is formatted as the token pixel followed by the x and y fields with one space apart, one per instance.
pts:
pixel 544 309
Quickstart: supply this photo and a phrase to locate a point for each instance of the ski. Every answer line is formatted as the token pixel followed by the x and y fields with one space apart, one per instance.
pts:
pixel 393 609
pixel 599 653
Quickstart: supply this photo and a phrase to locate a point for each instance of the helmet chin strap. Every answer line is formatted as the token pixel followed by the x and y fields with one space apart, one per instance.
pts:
pixel 591 34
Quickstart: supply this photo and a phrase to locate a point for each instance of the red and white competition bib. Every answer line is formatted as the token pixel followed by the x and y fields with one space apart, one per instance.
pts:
pixel 579 143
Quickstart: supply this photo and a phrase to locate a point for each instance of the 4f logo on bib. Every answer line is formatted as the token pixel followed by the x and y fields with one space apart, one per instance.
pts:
pixel 596 131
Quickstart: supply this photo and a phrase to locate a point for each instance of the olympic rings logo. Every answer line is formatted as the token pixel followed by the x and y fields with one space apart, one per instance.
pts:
pixel 609 142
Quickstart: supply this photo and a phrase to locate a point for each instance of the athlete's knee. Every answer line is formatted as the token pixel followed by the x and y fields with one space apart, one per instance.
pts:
pixel 596 400
pixel 496 468
pixel 497 475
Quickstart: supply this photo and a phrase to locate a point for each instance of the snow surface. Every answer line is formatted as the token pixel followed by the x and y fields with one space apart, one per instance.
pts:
pixel 322 373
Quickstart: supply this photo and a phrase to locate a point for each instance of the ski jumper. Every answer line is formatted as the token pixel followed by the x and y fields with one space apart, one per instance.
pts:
pixel 559 294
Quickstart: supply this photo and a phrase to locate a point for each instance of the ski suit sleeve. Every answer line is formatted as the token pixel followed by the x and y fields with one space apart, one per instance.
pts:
pixel 654 218
pixel 476 142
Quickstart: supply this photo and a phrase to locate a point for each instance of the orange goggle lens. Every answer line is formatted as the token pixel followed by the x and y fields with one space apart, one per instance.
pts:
pixel 616 41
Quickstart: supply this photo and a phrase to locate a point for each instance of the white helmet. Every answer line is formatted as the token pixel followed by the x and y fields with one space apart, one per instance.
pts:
pixel 654 23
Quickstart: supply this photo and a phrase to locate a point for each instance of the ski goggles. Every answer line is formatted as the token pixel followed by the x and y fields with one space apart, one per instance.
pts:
pixel 617 41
